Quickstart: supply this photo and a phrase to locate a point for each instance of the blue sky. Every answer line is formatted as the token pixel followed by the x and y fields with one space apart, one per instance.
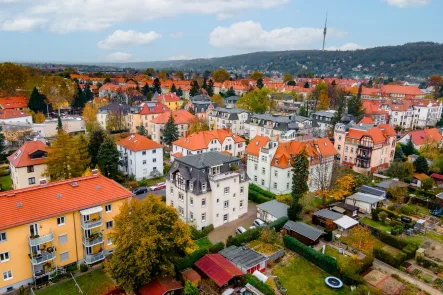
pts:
pixel 147 30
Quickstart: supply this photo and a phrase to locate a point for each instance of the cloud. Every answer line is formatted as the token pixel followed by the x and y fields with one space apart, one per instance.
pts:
pixel 23 24
pixel 118 56
pixel 346 47
pixel 180 57
pixel 130 38
pixel 176 35
pixel 407 3
pixel 250 35
pixel 96 15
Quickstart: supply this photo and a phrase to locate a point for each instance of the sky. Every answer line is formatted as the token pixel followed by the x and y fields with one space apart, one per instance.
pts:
pixel 89 31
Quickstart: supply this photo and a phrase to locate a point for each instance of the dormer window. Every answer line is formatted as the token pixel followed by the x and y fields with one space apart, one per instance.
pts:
pixel 204 187
pixel 191 186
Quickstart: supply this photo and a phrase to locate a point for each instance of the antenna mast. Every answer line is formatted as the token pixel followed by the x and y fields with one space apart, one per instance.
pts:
pixel 325 31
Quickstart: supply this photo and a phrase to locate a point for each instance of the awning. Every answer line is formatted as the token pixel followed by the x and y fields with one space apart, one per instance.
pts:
pixel 92 210
pixel 346 222
pixel 260 276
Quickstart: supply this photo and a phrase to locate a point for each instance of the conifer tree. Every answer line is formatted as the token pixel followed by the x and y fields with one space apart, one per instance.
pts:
pixel 179 92
pixel 204 85
pixel 107 158
pixel 157 86
pixel 194 89
pixel 355 107
pixel 173 88
pixel 87 94
pixel 421 165
pixel 230 92
pixel 96 138
pixel 300 174
pixel 59 124
pixel 37 102
pixel 83 149
pixel 142 130
pixel 260 83
pixel 408 148
pixel 145 90
pixel 171 131
pixel 78 101
pixel 2 144
pixel 210 88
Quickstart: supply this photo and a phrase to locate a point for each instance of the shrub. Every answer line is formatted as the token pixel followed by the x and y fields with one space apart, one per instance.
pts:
pixel 374 214
pixel 328 236
pixel 249 235
pixel 393 241
pixel 429 264
pixel 397 230
pixel 72 268
pixel 395 223
pixel 406 209
pixel 83 267
pixel 166 168
pixel 323 261
pixel 217 247
pixel 255 188
pixel 390 213
pixel 4 171
pixel 115 291
pixel 382 216
pixel 198 234
pixel 279 223
pixel 389 258
pixel 262 287
pixel 189 260
pixel 257 197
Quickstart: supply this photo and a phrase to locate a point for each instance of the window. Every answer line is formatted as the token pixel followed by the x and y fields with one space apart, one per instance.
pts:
pixel 191 215
pixel 289 173
pixel 203 217
pixel 352 149
pixel 275 185
pixel 287 185
pixel 154 160
pixel 7 275
pixel 191 201
pixel 172 203
pixel 109 241
pixel 276 173
pixel 226 204
pixel 31 180
pixel 204 187
pixel 225 218
pixel 64 256
pixel 60 220
pixel 241 204
pixel 144 153
pixel 255 178
pixel 346 148
pixel 172 190
pixel 218 201
pixel 233 196
pixel 262 182
pixel 144 162
pixel 145 171
pixel 181 197
pixel 109 224
pixel 4 256
pixel 226 190
pixel 263 171
pixel 63 239
pixel 339 147
pixel 2 236
pixel 242 189
pixel 181 211
pixel 191 186
pixel 154 151
pixel 30 169
pixel 204 202
pixel 255 167
pixel 108 208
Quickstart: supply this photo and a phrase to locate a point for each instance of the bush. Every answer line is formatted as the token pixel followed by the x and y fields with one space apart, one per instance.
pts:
pixel 198 234
pixel 323 261
pixel 257 197
pixel 83 267
pixel 406 209
pixel 72 268
pixel 262 287
pixel 217 247
pixel 393 241
pixel 278 224
pixel 410 250
pixel 4 171
pixel 397 230
pixel 166 168
pixel 328 236
pixel 389 258
pixel 391 214
pixel 189 260
pixel 249 235
pixel 374 214
pixel 429 264
pixel 255 188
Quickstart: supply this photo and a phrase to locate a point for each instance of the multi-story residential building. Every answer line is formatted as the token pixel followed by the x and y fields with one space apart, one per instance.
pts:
pixel 208 188
pixel 374 111
pixel 118 110
pixel 269 163
pixel 48 227
pixel 18 103
pixel 144 115
pixel 201 105
pixel 323 119
pixel 220 140
pixel 274 126
pixel 109 90
pixel 140 156
pixel 72 125
pixel 28 164
pixel 234 119
pixel 423 137
pixel 231 101
pixel 171 100
pixel 393 91
pixel 14 116
pixel 365 148
pixel 182 119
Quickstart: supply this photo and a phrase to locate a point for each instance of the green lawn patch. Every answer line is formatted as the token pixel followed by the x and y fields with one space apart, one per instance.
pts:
pixel 416 240
pixel 299 276
pixel 377 224
pixel 6 182
pixel 152 181
pixel 434 236
pixel 93 283
pixel 341 259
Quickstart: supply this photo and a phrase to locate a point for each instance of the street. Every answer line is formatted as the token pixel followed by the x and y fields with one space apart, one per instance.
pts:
pixel 161 192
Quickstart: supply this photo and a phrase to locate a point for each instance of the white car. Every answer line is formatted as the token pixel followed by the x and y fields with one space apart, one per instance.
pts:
pixel 158 186
pixel 258 223
pixel 240 230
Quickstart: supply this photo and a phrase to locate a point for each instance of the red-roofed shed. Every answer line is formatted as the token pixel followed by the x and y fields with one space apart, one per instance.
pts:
pixel 218 269
pixel 160 286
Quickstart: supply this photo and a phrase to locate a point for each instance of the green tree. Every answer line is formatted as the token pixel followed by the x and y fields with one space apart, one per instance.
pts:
pixel 427 184
pixel 287 77
pixel 408 148
pixel 2 144
pixel 150 238
pixel 190 289
pixel 399 155
pixel 194 88
pixel 230 92
pixel 171 131
pixel 37 102
pixel 96 139
pixel 179 92
pixel 79 100
pixel 220 75
pixel 157 86
pixel 142 130
pixel 260 83
pixel 421 165
pixel 173 89
pixel 146 89
pixel 355 107
pixel 256 101
pixel 300 175
pixel 340 111
pixel 400 169
pixel 108 157
pixel 205 84
pixel 81 144
pixel 87 94
pixel 210 88
pixel 256 75
pixel 150 72
pixel 303 111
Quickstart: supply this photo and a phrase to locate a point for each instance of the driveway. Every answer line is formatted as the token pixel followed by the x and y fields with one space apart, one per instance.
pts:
pixel 221 233
pixel 161 192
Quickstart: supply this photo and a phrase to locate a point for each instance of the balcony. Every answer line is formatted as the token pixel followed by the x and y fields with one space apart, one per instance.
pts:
pixel 92 224
pixel 93 240
pixel 364 157
pixel 93 258
pixel 360 146
pixel 41 274
pixel 43 257
pixel 222 176
pixel 38 240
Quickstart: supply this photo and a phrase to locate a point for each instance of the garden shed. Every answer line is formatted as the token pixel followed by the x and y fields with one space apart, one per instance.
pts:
pixel 244 258
pixel 303 232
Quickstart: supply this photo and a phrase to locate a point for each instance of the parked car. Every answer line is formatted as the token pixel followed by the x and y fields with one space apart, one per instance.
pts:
pixel 240 230
pixel 140 190
pixel 158 186
pixel 258 223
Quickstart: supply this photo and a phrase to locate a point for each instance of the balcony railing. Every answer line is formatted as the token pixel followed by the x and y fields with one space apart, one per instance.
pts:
pixel 93 258
pixel 364 157
pixel 38 240
pixel 91 241
pixel 221 176
pixel 92 224
pixel 52 273
pixel 40 258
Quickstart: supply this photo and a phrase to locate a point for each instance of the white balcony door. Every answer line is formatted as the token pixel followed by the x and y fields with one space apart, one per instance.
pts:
pixel 87 233
pixel 86 218
pixel 33 229
pixel 88 250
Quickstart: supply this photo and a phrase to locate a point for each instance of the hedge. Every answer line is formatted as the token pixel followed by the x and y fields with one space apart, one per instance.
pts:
pixel 389 258
pixel 257 197
pixel 217 247
pixel 429 264
pixel 390 213
pixel 198 234
pixel 408 248
pixel 253 187
pixel 262 287
pixel 189 260
pixel 323 261
pixel 279 223
pixel 244 238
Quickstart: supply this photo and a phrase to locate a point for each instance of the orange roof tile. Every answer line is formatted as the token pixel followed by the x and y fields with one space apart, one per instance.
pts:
pixel 180 117
pixel 21 157
pixel 35 203
pixel 177 155
pixel 157 109
pixel 11 114
pixel 256 144
pixel 366 120
pixel 421 137
pixel 13 102
pixel 200 140
pixel 406 90
pixel 420 176
pixel 137 142
pixel 168 97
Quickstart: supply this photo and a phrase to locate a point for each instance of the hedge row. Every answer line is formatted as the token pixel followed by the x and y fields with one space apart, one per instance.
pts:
pixel 408 248
pixel 323 261
pixel 217 247
pixel 258 198
pixel 389 258
pixel 262 287
pixel 244 238
pixel 189 260
pixel 198 234
pixel 278 224
pixel 429 264
pixel 265 193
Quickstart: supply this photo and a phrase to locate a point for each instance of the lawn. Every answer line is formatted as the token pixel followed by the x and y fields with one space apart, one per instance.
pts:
pixel 377 224
pixel 434 236
pixel 341 259
pixel 152 181
pixel 299 276
pixel 93 283
pixel 6 182
pixel 266 248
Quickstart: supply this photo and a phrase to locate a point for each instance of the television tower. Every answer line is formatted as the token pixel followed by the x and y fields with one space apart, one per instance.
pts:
pixel 325 31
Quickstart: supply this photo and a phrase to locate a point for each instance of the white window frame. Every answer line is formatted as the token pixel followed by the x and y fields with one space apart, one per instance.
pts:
pixel 203 202
pixel 111 222
pixel 242 190
pixel 110 208
pixel 62 236
pixel 4 259
pixel 226 190
pixel 203 217
pixel 9 274
pixel 61 220
pixel 241 204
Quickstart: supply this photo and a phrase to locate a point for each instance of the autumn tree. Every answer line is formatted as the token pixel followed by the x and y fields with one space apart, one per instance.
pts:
pixel 355 107
pixel 220 75
pixel 323 100
pixel 198 124
pixel 82 145
pixel 107 158
pixel 180 74
pixel 96 139
pixel 300 175
pixel 58 90
pixel 397 192
pixel 90 116
pixel 13 77
pixel 163 75
pixel 256 101
pixel 321 176
pixel 287 77
pixel 38 118
pixel 115 120
pixel 256 75
pixel 344 187
pixel 190 289
pixel 150 72
pixel 360 238
pixel 218 100
pixel 171 131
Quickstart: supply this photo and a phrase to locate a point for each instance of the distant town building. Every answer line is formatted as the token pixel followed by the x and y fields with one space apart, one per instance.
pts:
pixel 234 119
pixel 182 119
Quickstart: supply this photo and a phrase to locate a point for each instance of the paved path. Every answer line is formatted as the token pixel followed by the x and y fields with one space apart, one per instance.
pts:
pixel 161 192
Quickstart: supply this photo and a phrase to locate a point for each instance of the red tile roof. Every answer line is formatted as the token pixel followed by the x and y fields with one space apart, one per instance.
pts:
pixel 21 157
pixel 35 203
pixel 200 140
pixel 398 89
pixel 379 134
pixel 167 97
pixel 420 137
pixel 366 120
pixel 11 114
pixel 177 155
pixel 256 144
pixel 218 268
pixel 137 142
pixel 159 286
pixel 157 109
pixel 110 87
pixel 437 176
pixel 17 102
pixel 180 117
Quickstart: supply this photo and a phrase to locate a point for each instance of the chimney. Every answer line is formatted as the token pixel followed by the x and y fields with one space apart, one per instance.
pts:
pixel 43 181
pixel 94 171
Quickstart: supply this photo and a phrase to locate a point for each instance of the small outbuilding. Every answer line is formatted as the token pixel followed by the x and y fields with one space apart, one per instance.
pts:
pixel 387 184
pixel 366 189
pixel 303 232
pixel 345 209
pixel 244 258
pixel 418 178
pixel 345 222
pixel 365 202
pixel 326 218
pixel 192 276
pixel 272 210
pixel 161 286
pixel 219 269
pixel 438 178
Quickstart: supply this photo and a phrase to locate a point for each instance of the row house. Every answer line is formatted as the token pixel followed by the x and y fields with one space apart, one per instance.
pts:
pixel 140 157
pixel 423 137
pixel 219 140
pixel 239 87
pixel 18 103
pixel 171 100
pixel 182 119
pixel 46 228
pixel 208 188
pixel 269 163
pixel 365 148
pixel 233 119
pixel 12 116
pixel 144 115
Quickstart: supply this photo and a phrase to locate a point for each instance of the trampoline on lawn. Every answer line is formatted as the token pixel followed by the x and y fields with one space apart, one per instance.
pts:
pixel 333 282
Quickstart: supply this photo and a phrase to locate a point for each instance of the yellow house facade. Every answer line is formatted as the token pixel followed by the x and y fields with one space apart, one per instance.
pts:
pixel 147 113
pixel 46 228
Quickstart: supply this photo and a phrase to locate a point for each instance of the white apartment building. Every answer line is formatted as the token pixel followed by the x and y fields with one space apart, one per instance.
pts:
pixel 234 119
pixel 269 163
pixel 219 140
pixel 208 188
pixel 140 157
